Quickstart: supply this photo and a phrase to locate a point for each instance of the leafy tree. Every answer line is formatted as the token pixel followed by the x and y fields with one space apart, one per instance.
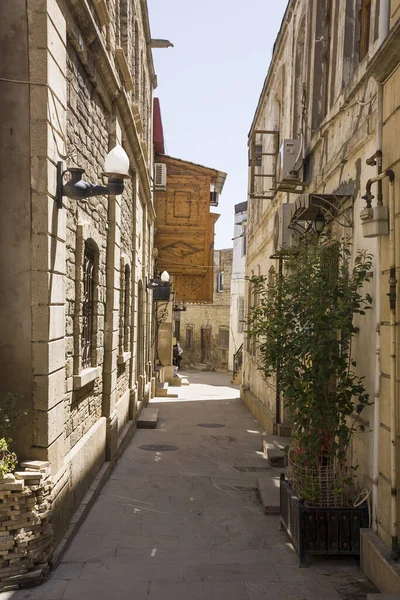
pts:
pixel 303 324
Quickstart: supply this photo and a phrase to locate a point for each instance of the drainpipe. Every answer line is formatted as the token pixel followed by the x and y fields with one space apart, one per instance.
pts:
pixel 392 373
pixel 384 20
pixel 377 160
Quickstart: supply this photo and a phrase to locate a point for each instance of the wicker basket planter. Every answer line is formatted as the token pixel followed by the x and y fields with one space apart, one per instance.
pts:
pixel 320 530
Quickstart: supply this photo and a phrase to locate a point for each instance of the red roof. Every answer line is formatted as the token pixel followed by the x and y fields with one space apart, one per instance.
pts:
pixel 158 133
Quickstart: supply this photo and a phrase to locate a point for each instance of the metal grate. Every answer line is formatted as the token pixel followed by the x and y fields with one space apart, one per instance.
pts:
pixel 87 307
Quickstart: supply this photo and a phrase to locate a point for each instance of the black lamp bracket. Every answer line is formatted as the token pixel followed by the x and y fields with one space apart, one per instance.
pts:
pixel 78 189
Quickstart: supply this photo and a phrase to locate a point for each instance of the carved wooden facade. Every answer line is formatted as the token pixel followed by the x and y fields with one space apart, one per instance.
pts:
pixel 185 227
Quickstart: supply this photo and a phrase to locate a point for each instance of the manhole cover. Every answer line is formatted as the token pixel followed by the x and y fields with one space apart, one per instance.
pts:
pixel 158 447
pixel 210 425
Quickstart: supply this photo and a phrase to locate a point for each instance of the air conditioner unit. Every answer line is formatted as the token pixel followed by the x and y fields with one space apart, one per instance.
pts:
pixel 160 176
pixel 290 162
pixel 283 236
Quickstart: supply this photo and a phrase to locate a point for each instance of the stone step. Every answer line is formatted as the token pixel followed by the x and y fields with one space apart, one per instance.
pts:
pixel 274 450
pixel 161 390
pixel 268 490
pixel 148 418
pixel 183 380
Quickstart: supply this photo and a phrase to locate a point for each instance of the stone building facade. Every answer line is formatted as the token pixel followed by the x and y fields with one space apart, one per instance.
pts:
pixel 77 80
pixel 327 110
pixel 203 329
pixel 238 284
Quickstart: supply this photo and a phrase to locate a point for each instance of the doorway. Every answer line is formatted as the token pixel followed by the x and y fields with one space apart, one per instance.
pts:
pixel 206 345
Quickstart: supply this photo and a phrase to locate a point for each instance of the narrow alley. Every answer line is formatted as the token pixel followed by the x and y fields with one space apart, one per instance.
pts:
pixel 180 517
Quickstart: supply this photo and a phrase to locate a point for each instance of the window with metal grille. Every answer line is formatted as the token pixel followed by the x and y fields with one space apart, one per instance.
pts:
pixel 126 311
pixel 223 337
pixel 240 325
pixel 189 337
pixel 88 306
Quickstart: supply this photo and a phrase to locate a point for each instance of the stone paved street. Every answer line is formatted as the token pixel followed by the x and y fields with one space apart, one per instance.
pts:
pixel 187 523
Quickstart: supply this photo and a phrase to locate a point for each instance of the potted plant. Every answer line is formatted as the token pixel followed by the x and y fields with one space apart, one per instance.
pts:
pixel 303 324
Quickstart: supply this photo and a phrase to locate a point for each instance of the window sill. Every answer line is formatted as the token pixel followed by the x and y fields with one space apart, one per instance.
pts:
pixel 86 376
pixel 124 357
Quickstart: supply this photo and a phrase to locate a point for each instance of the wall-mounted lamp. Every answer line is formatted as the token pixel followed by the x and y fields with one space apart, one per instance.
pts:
pixel 319 223
pixel 165 277
pixel 116 169
pixel 161 281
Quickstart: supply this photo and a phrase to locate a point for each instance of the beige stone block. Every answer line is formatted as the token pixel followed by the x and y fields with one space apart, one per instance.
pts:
pixel 44 176
pixel 384 401
pixel 48 253
pixel 48 323
pixel 48 288
pixel 46 140
pixel 48 390
pixel 54 453
pixel 56 79
pixel 384 509
pixel 46 107
pixel 57 46
pixel 385 349
pixel 57 18
pixel 47 218
pixel 86 376
pixel 48 425
pixel 48 357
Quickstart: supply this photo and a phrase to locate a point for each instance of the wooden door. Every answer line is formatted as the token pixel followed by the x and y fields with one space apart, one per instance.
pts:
pixel 206 345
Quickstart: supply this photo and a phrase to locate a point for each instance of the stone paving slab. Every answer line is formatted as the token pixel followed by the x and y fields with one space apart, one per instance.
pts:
pixel 186 524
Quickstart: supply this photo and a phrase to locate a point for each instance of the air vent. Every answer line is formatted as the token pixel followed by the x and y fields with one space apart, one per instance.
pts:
pixel 160 176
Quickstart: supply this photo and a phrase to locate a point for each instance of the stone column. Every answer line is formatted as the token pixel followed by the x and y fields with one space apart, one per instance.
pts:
pixel 47 39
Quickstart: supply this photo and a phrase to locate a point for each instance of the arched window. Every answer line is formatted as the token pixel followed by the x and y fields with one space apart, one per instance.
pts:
pixel 88 332
pixel 365 27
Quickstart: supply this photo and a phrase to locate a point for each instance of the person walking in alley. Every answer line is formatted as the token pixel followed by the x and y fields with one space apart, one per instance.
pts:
pixel 177 354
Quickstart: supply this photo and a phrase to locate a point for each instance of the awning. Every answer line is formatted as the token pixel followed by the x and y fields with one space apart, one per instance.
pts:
pixel 307 206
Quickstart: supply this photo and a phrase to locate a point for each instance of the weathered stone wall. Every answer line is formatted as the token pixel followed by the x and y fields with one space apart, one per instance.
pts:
pixel 89 77
pixel 332 105
pixel 210 316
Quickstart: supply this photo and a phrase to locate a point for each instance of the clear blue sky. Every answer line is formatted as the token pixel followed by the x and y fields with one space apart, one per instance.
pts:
pixel 210 82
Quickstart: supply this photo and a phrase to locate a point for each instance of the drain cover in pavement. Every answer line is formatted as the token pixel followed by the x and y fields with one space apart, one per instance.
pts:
pixel 210 425
pixel 158 447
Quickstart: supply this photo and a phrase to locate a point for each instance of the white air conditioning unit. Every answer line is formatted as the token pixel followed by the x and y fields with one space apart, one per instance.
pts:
pixel 283 236
pixel 290 162
pixel 160 176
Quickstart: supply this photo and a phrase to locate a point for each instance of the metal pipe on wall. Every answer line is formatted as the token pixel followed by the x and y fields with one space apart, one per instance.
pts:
pixel 393 349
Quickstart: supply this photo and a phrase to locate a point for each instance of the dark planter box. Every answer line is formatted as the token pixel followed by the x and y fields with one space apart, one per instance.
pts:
pixel 317 530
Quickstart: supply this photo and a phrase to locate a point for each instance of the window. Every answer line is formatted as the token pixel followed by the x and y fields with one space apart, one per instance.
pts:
pixel 87 332
pixel 126 308
pixel 240 324
pixel 189 345
pixel 220 282
pixel 223 337
pixel 365 27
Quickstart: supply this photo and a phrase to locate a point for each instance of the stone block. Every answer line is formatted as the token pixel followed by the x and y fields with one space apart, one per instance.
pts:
pixel 48 253
pixel 377 564
pixel 54 453
pixel 37 465
pixel 48 425
pixel 48 357
pixel 48 390
pixel 47 218
pixel 48 288
pixel 148 418
pixel 48 323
